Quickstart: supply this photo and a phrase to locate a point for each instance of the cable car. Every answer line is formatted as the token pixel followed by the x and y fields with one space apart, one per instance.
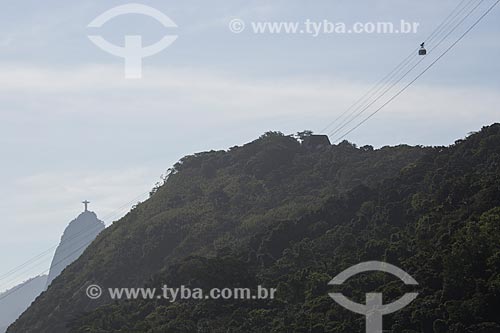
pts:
pixel 422 50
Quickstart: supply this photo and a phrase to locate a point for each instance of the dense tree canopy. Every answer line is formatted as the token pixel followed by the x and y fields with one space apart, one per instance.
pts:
pixel 276 214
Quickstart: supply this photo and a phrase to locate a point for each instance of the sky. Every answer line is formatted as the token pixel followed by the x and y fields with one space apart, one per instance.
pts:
pixel 73 127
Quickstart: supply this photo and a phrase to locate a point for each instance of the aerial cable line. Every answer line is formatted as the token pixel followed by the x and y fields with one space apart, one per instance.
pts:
pixel 440 42
pixel 369 91
pixel 377 91
pixel 425 70
pixel 15 289
pixel 108 216
pixel 355 127
pixel 436 31
pixel 451 18
pixel 48 251
pixel 357 115
pixel 34 259
pixel 17 269
pixel 361 111
pixel 54 264
pixel 398 68
pixel 363 107
pixel 116 212
pixel 26 268
pixel 402 64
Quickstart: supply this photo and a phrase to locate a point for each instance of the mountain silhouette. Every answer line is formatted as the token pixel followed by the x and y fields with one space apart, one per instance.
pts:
pixel 76 238
pixel 16 300
pixel 280 214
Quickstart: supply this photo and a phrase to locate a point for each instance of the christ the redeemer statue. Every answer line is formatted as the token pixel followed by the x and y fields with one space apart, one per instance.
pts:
pixel 86 203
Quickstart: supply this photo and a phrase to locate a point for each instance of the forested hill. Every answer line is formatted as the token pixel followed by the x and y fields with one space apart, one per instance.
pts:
pixel 277 214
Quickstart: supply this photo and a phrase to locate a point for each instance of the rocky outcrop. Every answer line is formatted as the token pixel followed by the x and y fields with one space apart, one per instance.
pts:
pixel 77 236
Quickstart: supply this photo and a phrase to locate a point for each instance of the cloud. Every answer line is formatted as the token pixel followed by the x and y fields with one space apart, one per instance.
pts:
pixel 176 94
pixel 134 130
pixel 74 132
pixel 108 188
pixel 37 212
pixel 6 41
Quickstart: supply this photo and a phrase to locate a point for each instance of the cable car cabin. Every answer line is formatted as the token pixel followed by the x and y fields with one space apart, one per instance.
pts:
pixel 422 50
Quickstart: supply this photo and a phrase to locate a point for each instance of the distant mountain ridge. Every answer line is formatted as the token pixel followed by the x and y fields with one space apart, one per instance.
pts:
pixel 76 238
pixel 16 300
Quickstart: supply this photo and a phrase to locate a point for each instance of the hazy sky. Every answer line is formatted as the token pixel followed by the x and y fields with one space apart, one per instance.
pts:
pixel 72 128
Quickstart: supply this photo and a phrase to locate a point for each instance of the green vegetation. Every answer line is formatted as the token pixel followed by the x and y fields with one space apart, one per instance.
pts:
pixel 276 214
